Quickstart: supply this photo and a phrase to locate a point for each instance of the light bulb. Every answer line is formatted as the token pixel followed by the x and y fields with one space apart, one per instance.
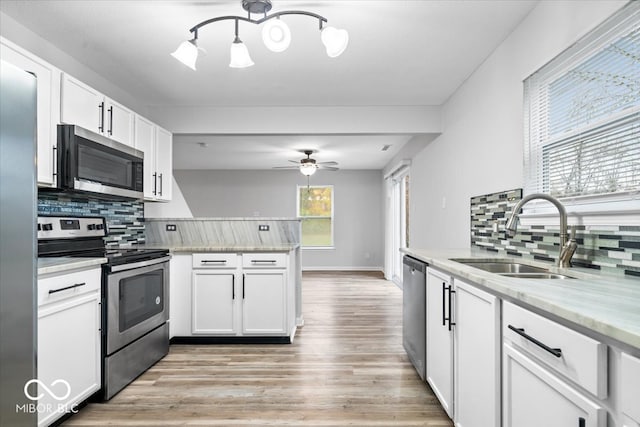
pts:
pixel 276 35
pixel 307 169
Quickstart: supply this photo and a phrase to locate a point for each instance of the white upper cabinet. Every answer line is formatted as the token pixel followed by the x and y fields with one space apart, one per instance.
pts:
pixel 86 107
pixel 48 106
pixel 157 144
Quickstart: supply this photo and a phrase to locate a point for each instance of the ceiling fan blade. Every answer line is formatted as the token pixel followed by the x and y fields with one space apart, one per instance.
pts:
pixel 285 167
pixel 328 168
pixel 327 163
pixel 295 161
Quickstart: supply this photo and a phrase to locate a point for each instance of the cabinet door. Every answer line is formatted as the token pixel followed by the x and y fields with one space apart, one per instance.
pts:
pixel 68 350
pixel 180 295
pixel 119 122
pixel 145 136
pixel 439 339
pixel 47 100
pixel 477 356
pixel 81 105
pixel 264 308
pixel 164 147
pixel 534 397
pixel 214 303
pixel 629 390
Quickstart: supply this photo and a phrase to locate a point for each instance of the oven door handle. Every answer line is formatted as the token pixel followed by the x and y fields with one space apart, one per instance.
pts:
pixel 131 266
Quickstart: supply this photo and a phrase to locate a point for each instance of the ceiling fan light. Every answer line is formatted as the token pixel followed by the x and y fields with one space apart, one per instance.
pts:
pixel 239 55
pixel 334 40
pixel 308 169
pixel 276 35
pixel 187 53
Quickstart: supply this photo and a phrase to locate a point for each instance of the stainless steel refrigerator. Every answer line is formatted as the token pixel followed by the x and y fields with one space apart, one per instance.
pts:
pixel 18 254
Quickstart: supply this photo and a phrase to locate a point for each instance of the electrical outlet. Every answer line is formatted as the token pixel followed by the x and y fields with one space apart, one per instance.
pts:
pixel 171 227
pixel 263 227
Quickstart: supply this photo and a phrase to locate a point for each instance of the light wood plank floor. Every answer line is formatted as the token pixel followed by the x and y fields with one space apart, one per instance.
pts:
pixel 346 367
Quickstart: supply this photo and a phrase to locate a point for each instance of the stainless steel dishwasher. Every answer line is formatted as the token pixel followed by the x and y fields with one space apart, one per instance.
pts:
pixel 414 286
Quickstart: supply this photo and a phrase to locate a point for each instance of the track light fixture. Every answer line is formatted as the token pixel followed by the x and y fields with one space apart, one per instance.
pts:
pixel 275 35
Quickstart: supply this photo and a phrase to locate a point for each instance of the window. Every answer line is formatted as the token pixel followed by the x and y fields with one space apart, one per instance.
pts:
pixel 582 118
pixel 315 208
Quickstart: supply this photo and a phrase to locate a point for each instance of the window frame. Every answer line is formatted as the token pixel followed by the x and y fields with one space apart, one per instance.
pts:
pixel 332 217
pixel 619 208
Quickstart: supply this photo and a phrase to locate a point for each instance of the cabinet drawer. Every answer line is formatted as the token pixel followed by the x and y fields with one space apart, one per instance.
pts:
pixel 264 260
pixel 581 358
pixel 219 260
pixel 56 288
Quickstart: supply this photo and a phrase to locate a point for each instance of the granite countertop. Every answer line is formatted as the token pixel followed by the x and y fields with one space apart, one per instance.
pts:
pixel 285 247
pixel 608 305
pixel 62 264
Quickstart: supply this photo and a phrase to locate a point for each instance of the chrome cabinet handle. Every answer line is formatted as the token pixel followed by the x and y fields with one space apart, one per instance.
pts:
pixel 557 352
pixel 263 261
pixel 444 318
pixel 217 261
pixel 77 285
pixel 160 192
pixel 451 291
pixel 155 183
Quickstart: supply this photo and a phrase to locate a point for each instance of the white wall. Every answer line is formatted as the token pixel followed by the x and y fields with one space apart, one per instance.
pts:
pixel 480 150
pixel 176 208
pixel 358 226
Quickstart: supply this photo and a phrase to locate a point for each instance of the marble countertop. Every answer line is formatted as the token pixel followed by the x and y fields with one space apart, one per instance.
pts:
pixel 225 248
pixel 233 218
pixel 62 264
pixel 608 305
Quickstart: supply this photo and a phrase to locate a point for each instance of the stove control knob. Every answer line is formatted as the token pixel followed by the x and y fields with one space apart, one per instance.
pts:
pixel 99 226
pixel 47 227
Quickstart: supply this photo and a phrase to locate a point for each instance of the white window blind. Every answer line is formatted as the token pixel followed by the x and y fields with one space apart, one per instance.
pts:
pixel 582 115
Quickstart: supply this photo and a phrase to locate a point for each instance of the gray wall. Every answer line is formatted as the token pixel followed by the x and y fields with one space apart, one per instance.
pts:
pixel 358 224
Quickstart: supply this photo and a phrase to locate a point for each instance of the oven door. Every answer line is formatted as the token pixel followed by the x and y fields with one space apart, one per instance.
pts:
pixel 137 302
pixel 91 162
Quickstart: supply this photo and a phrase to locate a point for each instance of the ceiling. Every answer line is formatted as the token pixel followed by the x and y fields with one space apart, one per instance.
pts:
pixel 401 53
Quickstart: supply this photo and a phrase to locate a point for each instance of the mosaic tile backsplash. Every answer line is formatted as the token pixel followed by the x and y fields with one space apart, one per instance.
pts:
pixel 125 218
pixel 612 249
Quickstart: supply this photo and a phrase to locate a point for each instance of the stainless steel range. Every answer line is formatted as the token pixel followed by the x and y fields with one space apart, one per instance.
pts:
pixel 135 296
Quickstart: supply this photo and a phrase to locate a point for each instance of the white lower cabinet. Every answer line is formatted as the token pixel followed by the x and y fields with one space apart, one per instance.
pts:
pixel 69 357
pixel 463 350
pixel 546 367
pixel 264 298
pixel 534 396
pixel 440 337
pixel 630 390
pixel 214 303
pixel 228 294
pixel 477 357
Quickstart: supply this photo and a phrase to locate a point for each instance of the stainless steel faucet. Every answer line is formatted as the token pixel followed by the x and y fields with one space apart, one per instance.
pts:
pixel 567 246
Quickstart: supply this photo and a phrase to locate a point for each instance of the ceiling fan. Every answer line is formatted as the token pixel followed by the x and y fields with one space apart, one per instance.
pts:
pixel 309 166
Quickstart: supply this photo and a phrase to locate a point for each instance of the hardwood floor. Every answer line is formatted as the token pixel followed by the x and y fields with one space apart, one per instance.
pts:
pixel 346 367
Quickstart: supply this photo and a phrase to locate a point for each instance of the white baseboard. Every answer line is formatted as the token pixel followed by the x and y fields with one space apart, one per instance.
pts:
pixel 342 268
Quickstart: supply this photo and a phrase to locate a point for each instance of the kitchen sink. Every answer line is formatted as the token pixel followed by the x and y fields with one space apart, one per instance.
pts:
pixel 512 269
pixel 536 275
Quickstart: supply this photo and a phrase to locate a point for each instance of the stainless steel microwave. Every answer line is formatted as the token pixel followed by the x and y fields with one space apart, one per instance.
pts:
pixel 91 162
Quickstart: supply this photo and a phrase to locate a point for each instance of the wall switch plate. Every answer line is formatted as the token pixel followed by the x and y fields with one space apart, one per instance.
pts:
pixel 263 227
pixel 171 227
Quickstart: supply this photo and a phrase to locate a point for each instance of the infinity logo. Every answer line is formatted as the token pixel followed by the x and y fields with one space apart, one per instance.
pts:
pixel 47 389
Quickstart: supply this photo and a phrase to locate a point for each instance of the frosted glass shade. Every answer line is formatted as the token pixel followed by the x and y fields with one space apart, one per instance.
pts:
pixel 276 35
pixel 334 40
pixel 239 55
pixel 187 53
pixel 308 169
